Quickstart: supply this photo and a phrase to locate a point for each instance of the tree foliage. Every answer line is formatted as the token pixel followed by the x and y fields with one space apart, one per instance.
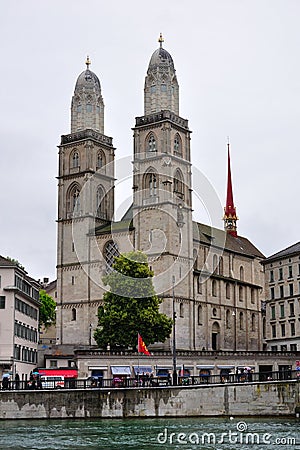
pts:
pixel 131 306
pixel 47 309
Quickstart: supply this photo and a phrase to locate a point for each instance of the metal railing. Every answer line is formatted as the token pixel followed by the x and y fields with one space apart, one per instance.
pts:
pixel 123 382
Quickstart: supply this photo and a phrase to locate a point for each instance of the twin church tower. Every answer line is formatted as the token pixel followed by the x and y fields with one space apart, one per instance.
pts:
pixel 214 276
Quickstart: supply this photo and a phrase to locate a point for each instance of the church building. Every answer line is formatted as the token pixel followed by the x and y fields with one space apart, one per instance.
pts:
pixel 214 277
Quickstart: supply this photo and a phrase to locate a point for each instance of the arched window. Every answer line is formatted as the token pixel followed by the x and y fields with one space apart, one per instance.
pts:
pixel 73 199
pixel 242 273
pixel 215 264
pixel 221 266
pixel 227 290
pixel 74 314
pixel 110 251
pixel 214 288
pixel 228 318
pixel 178 184
pixel 200 315
pixel 177 145
pixel 101 203
pixel 241 321
pixel 181 312
pixel 252 295
pixel 151 144
pixel 150 184
pixel 75 159
pixel 253 322
pixel 241 293
pixel 100 160
pixel 199 285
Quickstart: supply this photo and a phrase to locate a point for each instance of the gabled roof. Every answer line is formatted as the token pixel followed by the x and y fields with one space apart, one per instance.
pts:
pixel 208 235
pixel 289 251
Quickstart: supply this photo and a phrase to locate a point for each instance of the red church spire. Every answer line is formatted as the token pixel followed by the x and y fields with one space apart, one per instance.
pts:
pixel 230 217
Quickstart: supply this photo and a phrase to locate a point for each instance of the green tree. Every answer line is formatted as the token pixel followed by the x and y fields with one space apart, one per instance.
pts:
pixel 131 306
pixel 47 310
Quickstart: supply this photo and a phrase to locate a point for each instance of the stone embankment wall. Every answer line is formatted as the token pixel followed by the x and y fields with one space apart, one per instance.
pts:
pixel 247 399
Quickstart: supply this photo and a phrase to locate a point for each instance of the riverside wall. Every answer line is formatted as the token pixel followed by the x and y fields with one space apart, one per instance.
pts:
pixel 244 399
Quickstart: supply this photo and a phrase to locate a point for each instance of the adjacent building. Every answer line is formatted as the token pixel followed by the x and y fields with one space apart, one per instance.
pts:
pixel 19 319
pixel 213 277
pixel 282 319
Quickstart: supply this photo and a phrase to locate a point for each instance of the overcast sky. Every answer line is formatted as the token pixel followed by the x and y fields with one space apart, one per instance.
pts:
pixel 237 63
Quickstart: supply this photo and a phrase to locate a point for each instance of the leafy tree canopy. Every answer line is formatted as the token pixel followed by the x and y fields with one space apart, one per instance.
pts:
pixel 131 306
pixel 47 310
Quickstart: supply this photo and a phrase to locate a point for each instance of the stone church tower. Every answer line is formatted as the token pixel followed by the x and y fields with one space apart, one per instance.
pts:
pixel 85 154
pixel 162 204
pixel 211 278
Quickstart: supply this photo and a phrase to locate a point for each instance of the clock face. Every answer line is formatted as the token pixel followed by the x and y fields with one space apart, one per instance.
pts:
pixel 229 223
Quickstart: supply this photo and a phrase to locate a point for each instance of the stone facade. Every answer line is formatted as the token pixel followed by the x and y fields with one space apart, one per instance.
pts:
pixel 19 320
pixel 214 279
pixel 281 321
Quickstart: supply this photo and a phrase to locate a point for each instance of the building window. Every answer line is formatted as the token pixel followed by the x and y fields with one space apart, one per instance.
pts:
pixel 282 329
pixel 101 203
pixel 242 273
pixel 177 145
pixel 74 314
pixel 253 322
pixel 271 276
pixel 152 184
pixel 2 301
pixel 228 318
pixel 214 288
pixel 241 293
pixel 110 252
pixel 293 329
pixel 280 273
pixel 75 160
pixel 290 271
pixel 200 315
pixel 281 291
pixel 292 309
pixel 151 144
pixel 273 331
pixel 252 295
pixel 242 321
pixel 272 293
pixel 293 347
pixel 181 310
pixel 227 290
pixel 0 281
pixel 283 348
pixel 73 280
pixel 298 269
pixel 53 363
pixel 199 285
pixel 273 312
pixel 282 311
pixel 100 160
pixel 274 348
pixel 291 287
pixel 178 184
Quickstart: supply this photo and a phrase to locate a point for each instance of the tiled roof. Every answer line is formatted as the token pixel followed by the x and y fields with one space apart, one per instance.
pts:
pixel 291 250
pixel 4 262
pixel 219 238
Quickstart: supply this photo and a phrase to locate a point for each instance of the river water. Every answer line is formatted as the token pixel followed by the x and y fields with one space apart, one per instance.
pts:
pixel 145 434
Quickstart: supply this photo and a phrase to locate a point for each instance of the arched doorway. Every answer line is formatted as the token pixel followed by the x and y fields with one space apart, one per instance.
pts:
pixel 215 336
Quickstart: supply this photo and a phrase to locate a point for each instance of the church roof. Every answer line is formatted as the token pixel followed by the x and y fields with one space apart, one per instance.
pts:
pixel 87 80
pixel 289 251
pixel 161 58
pixel 114 227
pixel 208 235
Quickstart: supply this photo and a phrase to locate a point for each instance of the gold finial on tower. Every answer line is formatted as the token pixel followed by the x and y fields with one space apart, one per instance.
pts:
pixel 88 62
pixel 160 40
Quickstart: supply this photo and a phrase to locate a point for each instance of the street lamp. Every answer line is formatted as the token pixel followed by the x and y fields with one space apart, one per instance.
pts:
pixel 174 336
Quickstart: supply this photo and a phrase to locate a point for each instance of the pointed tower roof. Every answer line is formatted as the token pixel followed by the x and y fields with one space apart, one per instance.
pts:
pixel 230 218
